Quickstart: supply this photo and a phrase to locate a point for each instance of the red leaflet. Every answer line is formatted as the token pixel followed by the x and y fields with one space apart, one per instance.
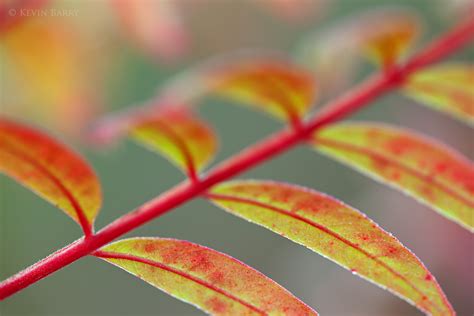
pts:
pixel 427 170
pixel 448 88
pixel 337 232
pixel 210 280
pixel 51 170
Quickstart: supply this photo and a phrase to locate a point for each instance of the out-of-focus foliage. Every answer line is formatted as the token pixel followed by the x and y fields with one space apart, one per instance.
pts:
pixel 382 35
pixel 52 71
pixel 156 26
pixel 269 84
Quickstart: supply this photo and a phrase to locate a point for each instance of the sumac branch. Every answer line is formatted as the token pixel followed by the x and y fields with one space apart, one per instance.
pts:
pixel 169 125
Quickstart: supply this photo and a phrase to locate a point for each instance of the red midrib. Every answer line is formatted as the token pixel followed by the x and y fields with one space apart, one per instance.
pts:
pixel 407 169
pixel 181 144
pixel 113 255
pixel 85 225
pixel 323 229
pixel 272 91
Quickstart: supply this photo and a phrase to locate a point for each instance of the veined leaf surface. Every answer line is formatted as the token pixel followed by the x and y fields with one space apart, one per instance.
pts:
pixel 51 170
pixel 448 88
pixel 338 232
pixel 210 280
pixel 431 172
pixel 179 135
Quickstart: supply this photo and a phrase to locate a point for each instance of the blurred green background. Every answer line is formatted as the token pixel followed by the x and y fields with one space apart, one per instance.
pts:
pixel 30 228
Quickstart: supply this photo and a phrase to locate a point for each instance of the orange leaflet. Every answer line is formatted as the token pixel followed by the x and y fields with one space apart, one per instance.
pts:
pixel 339 233
pixel 51 170
pixel 268 83
pixel 277 88
pixel 383 35
pixel 155 25
pixel 210 280
pixel 448 88
pixel 176 133
pixel 429 171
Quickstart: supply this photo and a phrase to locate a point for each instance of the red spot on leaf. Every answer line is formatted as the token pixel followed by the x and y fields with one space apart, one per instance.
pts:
pixel 150 248
pixel 395 176
pixel 399 145
pixel 217 277
pixel 217 306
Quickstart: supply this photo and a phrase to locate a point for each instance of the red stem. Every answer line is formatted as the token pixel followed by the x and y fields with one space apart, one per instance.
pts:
pixel 268 148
